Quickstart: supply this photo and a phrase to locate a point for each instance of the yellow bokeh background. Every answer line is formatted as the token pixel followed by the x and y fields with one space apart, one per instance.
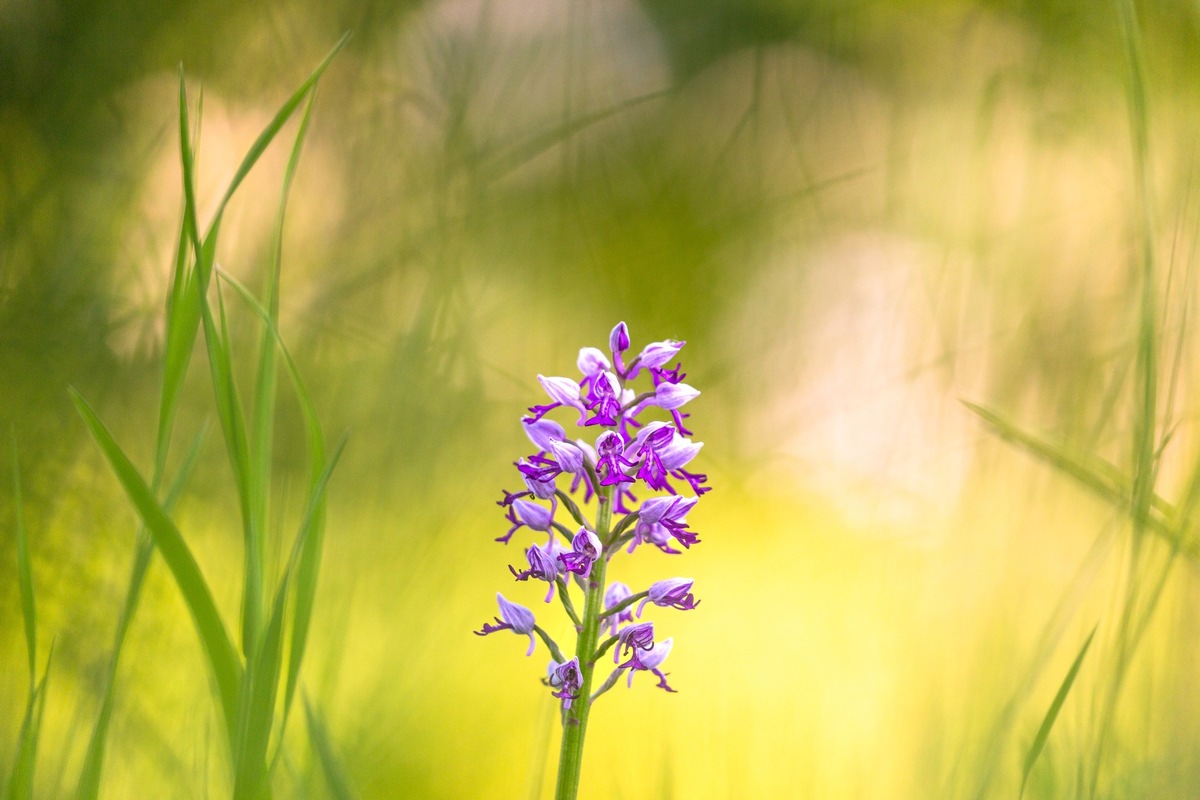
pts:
pixel 857 217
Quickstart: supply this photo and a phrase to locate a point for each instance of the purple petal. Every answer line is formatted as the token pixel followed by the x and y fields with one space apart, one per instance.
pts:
pixel 518 616
pixel 670 396
pixel 541 431
pixel 592 361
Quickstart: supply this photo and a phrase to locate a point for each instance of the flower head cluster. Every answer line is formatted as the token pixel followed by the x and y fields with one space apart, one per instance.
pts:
pixel 630 463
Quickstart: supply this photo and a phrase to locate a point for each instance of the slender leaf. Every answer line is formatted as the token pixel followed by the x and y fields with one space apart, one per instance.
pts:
pixel 1039 740
pixel 24 571
pixel 20 782
pixel 88 787
pixel 1097 475
pixel 183 321
pixel 233 426
pixel 262 421
pixel 219 650
pixel 312 534
pixel 186 158
pixel 259 691
pixel 257 708
pixel 281 117
pixel 331 765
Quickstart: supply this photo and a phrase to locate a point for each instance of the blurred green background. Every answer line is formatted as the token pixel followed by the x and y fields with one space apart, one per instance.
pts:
pixel 856 213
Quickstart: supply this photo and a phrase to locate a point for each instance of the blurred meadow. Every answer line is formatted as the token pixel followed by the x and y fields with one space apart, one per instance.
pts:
pixel 858 215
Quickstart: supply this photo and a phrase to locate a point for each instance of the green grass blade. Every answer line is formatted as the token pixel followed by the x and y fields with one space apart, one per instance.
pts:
pixel 20 782
pixel 88 787
pixel 1097 475
pixel 1145 463
pixel 233 426
pixel 263 414
pixel 24 571
pixel 281 117
pixel 257 708
pixel 183 322
pixel 312 533
pixel 309 543
pixel 186 157
pixel 331 765
pixel 1039 740
pixel 219 650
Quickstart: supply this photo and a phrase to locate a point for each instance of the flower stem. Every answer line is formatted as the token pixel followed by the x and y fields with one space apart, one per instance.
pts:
pixel 570 759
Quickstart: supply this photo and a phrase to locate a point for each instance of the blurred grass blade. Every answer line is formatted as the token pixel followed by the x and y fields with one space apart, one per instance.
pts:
pixel 1101 477
pixel 281 117
pixel 1039 741
pixel 497 166
pixel 24 570
pixel 88 787
pixel 222 658
pixel 20 782
pixel 331 765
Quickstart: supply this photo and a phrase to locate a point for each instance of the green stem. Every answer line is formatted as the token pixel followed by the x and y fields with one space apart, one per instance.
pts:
pixel 570 759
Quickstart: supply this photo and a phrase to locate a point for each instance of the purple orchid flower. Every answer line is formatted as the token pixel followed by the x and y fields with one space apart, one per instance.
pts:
pixel 610 459
pixel 604 399
pixel 654 355
pixel 591 362
pixel 649 660
pixel 567 679
pixel 513 617
pixel 562 392
pixel 541 431
pixel 669 513
pixel 524 514
pixel 585 549
pixel 542 565
pixel 671 593
pixel 622 488
pixel 638 636
pixel 569 456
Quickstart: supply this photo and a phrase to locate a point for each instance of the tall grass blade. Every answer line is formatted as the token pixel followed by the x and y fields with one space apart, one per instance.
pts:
pixel 331 765
pixel 233 426
pixel 263 413
pixel 219 651
pixel 264 395
pixel 263 671
pixel 257 708
pixel 24 570
pixel 281 117
pixel 20 782
pixel 1039 740
pixel 311 535
pixel 88 787
pixel 187 158
pixel 1095 474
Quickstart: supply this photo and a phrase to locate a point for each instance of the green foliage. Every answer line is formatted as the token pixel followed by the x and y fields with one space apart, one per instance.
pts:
pixel 20 781
pixel 248 682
